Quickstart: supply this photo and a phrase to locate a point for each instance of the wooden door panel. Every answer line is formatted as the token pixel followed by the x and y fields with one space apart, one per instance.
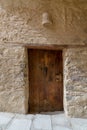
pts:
pixel 45 80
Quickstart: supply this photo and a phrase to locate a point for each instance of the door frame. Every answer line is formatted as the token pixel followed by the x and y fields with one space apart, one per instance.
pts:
pixel 46 47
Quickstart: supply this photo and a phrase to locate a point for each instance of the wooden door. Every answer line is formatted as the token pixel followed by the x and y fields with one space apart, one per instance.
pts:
pixel 45 81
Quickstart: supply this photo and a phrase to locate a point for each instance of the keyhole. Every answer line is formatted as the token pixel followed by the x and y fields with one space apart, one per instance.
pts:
pixel 45 70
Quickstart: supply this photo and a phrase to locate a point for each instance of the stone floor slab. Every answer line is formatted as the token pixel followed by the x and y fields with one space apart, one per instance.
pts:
pixel 79 124
pixel 22 116
pixel 9 121
pixel 20 124
pixel 41 122
pixel 61 120
pixel 56 127
pixel 5 118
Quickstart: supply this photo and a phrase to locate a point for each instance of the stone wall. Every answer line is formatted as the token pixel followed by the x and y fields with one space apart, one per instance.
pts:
pixel 21 21
pixel 13 79
pixel 75 82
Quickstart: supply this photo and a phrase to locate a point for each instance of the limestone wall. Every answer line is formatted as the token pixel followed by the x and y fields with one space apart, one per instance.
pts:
pixel 75 82
pixel 21 21
pixel 13 79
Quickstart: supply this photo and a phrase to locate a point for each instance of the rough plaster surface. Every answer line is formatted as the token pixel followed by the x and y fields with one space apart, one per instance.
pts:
pixel 21 21
pixel 75 82
pixel 13 79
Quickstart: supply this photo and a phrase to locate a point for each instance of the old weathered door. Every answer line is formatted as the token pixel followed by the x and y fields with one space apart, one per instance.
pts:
pixel 45 80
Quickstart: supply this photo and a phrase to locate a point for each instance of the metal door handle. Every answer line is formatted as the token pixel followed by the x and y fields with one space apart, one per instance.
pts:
pixel 58 77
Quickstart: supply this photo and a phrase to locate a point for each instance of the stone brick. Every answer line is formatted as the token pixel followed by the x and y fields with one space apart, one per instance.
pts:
pixel 13 83
pixel 75 82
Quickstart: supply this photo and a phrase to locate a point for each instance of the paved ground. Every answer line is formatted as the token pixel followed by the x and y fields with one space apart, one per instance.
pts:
pixel 54 121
